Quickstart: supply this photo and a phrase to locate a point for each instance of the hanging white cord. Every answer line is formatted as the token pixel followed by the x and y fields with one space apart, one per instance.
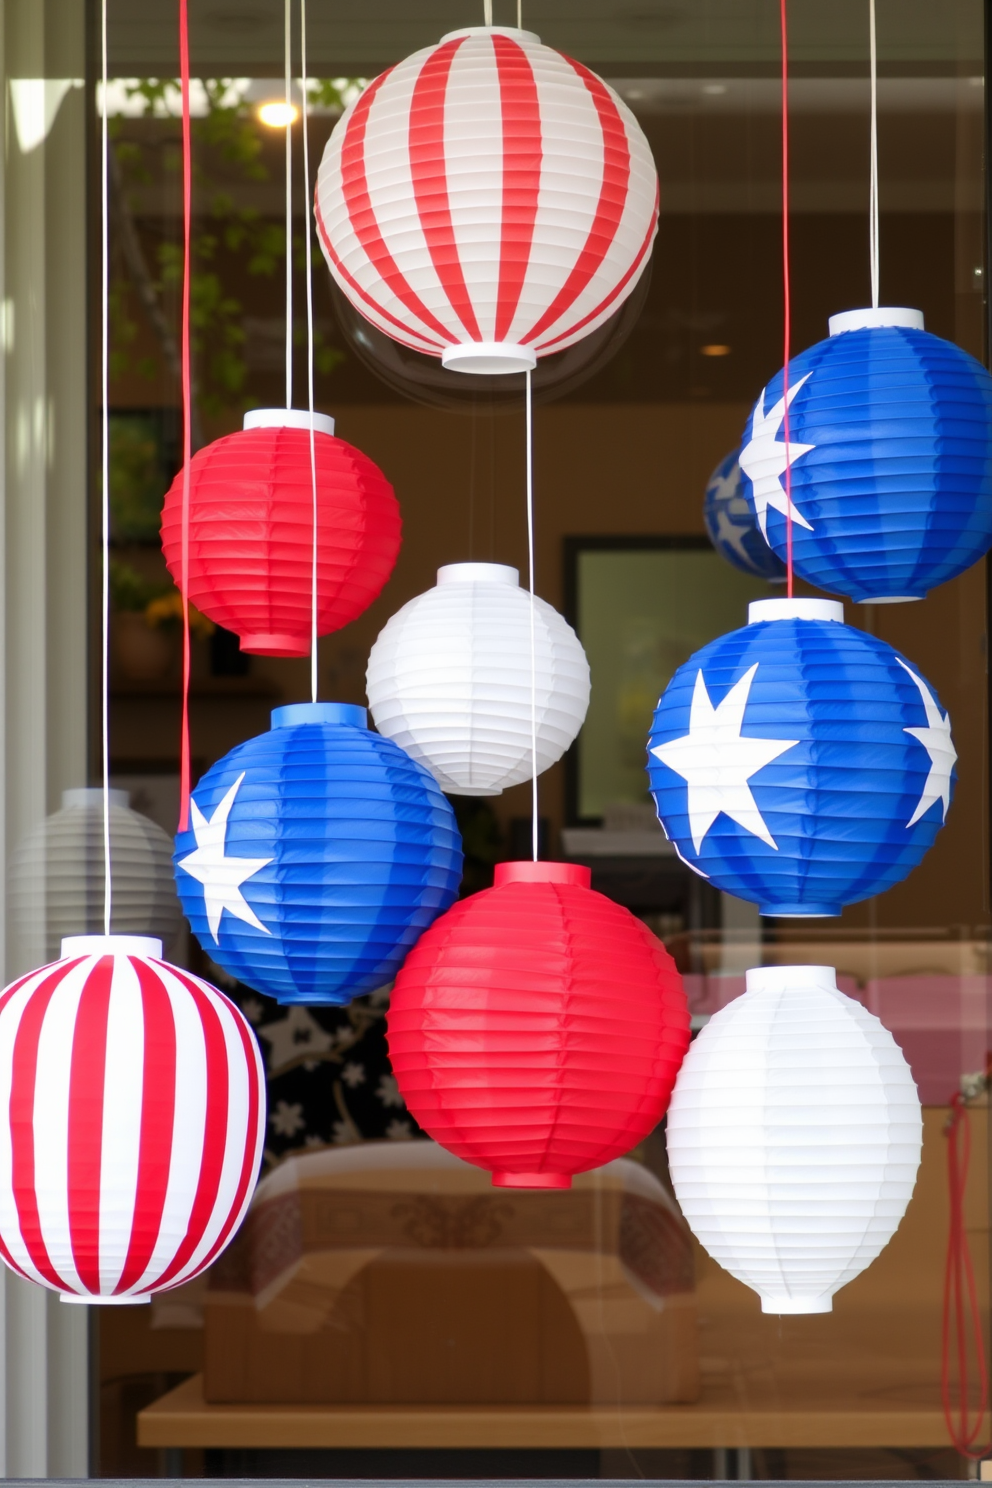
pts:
pixel 520 15
pixel 105 460
pixel 873 189
pixel 287 63
pixel 529 414
pixel 309 266
pixel 487 12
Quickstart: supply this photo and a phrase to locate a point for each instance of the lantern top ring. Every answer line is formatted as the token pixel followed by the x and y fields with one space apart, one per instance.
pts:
pixel 513 31
pixel 488 358
pixel 288 418
pixel 351 715
pixel 479 573
pixel 788 978
pixel 872 319
pixel 110 945
pixel 524 871
pixel 794 609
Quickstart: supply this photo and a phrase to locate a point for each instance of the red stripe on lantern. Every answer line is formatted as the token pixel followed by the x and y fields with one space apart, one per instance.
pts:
pixel 23 1081
pixel 402 333
pixel 355 190
pixel 616 291
pixel 158 1110
pixel 84 1138
pixel 609 209
pixel 430 182
pixel 249 1167
pixel 214 1130
pixel 522 156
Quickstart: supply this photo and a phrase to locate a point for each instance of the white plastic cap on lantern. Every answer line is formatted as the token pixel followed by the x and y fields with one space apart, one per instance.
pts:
pixel 110 945
pixel 287 418
pixel 794 609
pixel 869 319
pixel 449 680
pixel 55 882
pixel 794 1137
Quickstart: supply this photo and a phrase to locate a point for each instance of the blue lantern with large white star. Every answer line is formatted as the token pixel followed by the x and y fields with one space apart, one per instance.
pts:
pixel 890 449
pixel 731 525
pixel 316 856
pixel 800 763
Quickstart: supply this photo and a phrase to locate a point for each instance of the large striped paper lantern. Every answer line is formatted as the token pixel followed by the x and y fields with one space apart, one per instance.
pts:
pixel 487 201
pixel 890 433
pixel 134 1098
pixel 800 763
pixel 315 856
pixel 251 531
pixel 536 1029
pixel 794 1137
pixel 449 679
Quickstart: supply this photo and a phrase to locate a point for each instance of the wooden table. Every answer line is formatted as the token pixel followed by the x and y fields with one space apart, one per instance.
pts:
pixel 183 1419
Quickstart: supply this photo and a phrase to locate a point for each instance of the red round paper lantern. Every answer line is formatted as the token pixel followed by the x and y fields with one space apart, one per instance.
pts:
pixel 134 1098
pixel 251 531
pixel 536 1029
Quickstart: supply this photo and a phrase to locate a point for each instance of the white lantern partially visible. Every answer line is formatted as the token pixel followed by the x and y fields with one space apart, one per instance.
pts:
pixel 56 877
pixel 449 680
pixel 794 1137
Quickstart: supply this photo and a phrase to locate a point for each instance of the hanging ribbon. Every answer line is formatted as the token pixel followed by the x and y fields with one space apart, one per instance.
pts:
pixel 962 1316
pixel 786 292
pixel 184 759
pixel 105 464
pixel 309 270
pixel 529 420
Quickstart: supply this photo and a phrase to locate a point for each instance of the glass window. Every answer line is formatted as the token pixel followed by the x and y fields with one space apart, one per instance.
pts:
pixel 385 1311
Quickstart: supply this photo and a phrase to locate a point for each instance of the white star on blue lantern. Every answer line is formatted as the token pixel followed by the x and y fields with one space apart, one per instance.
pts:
pixel 220 875
pixel 765 457
pixel 936 740
pixel 717 761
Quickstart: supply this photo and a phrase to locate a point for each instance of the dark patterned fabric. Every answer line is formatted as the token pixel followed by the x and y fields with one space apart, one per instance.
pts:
pixel 329 1079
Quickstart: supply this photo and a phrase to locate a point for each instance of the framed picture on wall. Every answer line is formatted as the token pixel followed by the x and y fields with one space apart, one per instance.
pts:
pixel 641 606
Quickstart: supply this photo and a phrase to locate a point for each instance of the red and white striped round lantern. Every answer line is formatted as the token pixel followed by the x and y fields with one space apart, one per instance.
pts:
pixel 251 531
pixel 135 1103
pixel 487 201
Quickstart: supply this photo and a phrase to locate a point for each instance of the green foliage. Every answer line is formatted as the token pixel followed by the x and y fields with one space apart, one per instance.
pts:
pixel 128 590
pixel 225 133
pixel 137 477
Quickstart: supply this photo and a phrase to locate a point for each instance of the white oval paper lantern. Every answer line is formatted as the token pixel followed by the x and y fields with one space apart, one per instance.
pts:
pixel 794 1137
pixel 56 877
pixel 449 680
pixel 487 201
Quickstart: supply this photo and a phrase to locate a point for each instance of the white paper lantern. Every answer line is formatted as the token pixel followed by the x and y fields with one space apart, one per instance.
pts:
pixel 794 1137
pixel 56 877
pixel 449 680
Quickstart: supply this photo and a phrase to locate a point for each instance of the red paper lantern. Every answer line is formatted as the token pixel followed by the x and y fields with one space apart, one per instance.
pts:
pixel 536 1029
pixel 251 531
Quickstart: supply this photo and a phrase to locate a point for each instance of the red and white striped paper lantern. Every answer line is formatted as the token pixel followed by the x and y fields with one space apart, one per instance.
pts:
pixel 487 201
pixel 135 1100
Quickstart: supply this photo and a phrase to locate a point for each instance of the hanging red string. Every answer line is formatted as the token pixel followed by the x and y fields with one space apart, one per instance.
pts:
pixel 960 1294
pixel 184 755
pixel 786 290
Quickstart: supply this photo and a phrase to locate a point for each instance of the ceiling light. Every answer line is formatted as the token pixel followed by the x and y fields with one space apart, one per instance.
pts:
pixel 278 113
pixel 714 89
pixel 715 350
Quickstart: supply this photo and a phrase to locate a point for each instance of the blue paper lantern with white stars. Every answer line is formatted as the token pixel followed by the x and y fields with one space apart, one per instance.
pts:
pixel 731 525
pixel 799 763
pixel 890 448
pixel 315 857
